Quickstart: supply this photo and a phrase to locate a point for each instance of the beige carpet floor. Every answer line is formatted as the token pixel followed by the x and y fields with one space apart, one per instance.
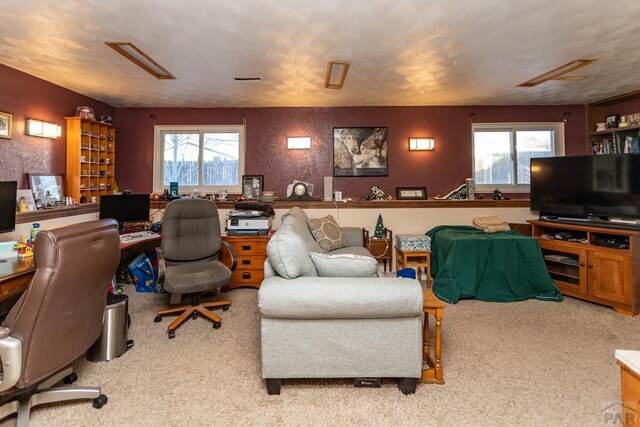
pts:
pixel 527 363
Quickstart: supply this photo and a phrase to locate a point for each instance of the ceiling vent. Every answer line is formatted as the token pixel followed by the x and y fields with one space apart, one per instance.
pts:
pixel 559 73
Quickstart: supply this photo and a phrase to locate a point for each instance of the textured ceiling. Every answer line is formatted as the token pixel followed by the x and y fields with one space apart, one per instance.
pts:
pixel 402 52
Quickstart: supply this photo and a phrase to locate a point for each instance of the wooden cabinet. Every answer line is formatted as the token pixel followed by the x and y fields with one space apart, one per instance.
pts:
pixel 582 267
pixel 91 155
pixel 251 252
pixel 381 249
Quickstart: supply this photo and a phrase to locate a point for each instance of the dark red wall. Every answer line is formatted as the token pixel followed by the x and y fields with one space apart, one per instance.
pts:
pixel 28 97
pixel 267 128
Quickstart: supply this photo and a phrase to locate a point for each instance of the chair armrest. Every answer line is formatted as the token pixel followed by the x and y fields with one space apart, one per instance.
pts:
pixel 353 236
pixel 11 357
pixel 161 265
pixel 232 253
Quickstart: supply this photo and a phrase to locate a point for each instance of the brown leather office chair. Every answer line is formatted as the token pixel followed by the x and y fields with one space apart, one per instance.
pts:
pixel 58 318
pixel 188 259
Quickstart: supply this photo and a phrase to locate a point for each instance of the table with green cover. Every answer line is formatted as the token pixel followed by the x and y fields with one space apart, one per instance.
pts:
pixel 502 267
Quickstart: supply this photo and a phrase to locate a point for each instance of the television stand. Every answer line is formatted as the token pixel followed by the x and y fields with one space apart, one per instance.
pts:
pixel 595 264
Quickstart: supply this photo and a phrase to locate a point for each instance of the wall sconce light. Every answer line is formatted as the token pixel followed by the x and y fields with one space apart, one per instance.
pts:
pixel 421 144
pixel 43 129
pixel 298 143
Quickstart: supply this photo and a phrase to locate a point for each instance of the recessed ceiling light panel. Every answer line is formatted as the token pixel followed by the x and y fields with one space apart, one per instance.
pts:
pixel 141 59
pixel 559 73
pixel 336 74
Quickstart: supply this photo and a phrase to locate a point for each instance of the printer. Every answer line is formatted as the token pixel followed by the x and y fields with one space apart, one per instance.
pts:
pixel 250 220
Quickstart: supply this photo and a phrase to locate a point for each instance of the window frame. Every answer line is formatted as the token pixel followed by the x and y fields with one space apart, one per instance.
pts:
pixel 158 156
pixel 558 149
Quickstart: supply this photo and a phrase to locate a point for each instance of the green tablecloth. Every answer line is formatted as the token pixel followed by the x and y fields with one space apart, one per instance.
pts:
pixel 503 266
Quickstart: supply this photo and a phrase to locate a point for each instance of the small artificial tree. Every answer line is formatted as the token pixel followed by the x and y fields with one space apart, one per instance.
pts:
pixel 379 233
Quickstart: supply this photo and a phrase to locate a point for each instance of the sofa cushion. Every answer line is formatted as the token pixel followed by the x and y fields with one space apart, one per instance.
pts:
pixel 344 265
pixel 327 233
pixel 352 250
pixel 288 254
pixel 297 218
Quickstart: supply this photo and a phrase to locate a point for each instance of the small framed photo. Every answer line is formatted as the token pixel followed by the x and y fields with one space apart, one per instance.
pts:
pixel 612 121
pixel 24 201
pixel 6 124
pixel 411 193
pixel 252 186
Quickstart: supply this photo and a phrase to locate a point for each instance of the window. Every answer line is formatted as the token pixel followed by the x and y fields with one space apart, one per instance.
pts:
pixel 502 151
pixel 207 158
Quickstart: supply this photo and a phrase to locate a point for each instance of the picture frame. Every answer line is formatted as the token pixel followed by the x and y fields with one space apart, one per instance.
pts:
pixel 612 121
pixel 411 193
pixel 360 151
pixel 47 189
pixel 27 197
pixel 6 125
pixel 252 185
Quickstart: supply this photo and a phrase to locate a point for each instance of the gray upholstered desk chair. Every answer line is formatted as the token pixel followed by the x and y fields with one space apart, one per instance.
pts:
pixel 188 259
pixel 58 317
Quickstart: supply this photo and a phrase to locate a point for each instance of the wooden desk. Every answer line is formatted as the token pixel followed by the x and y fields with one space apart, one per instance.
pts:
pixel 15 276
pixel 434 307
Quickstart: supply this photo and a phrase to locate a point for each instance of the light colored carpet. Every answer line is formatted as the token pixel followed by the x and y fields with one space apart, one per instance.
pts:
pixel 526 363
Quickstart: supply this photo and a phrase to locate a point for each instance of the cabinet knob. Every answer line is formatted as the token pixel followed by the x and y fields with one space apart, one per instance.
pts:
pixel 582 264
pixel 246 275
pixel 590 265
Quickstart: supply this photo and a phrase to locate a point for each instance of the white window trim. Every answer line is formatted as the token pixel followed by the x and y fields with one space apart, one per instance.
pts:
pixel 158 185
pixel 558 127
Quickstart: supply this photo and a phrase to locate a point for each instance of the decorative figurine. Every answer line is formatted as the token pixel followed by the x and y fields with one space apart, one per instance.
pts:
pixel 378 193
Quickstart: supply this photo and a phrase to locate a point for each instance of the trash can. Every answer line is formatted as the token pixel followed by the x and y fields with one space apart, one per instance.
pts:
pixel 113 340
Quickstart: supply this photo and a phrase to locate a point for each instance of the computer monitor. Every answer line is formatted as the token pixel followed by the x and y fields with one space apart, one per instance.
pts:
pixel 125 207
pixel 8 195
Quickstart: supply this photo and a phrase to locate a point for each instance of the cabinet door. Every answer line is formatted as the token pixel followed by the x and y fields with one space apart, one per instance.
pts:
pixel 567 266
pixel 610 276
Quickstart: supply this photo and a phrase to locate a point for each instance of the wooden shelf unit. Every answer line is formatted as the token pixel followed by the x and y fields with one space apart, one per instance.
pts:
pixel 628 103
pixel 585 270
pixel 91 159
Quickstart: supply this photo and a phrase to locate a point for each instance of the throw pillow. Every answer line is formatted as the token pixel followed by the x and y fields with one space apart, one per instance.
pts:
pixel 344 265
pixel 288 254
pixel 327 233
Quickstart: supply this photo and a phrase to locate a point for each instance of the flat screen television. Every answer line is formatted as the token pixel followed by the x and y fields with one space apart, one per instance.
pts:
pixel 8 196
pixel 125 207
pixel 600 187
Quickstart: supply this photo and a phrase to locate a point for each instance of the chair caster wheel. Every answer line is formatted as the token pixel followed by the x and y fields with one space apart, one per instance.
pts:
pixel 194 315
pixel 71 378
pixel 225 307
pixel 171 334
pixel 216 325
pixel 158 319
pixel 100 401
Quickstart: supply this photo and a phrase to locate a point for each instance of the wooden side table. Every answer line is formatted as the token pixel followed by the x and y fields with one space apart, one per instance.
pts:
pixel 251 252
pixel 432 306
pixel 381 249
pixel 415 259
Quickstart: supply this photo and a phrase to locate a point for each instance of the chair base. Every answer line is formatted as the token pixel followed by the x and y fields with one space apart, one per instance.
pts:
pixel 46 393
pixel 186 311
